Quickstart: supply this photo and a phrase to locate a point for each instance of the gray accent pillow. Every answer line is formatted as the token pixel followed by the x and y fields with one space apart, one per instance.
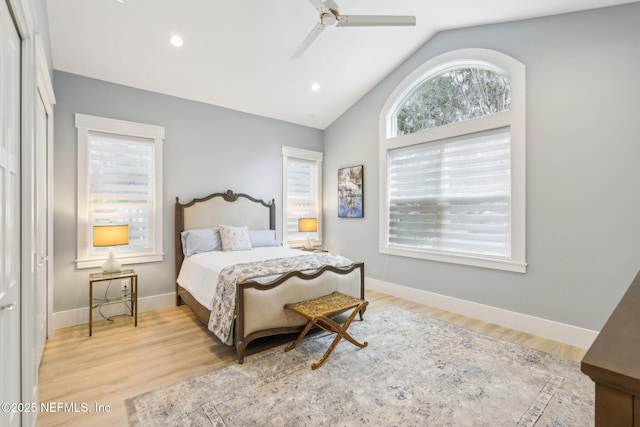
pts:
pixel 200 240
pixel 262 238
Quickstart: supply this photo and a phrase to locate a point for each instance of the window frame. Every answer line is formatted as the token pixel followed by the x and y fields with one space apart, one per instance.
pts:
pixel 310 156
pixel 86 124
pixel 514 120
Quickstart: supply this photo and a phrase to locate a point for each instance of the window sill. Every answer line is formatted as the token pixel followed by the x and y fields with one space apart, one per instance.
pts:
pixel 491 263
pixel 125 260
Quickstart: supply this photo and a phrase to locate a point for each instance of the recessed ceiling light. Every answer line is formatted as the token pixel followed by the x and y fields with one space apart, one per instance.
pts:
pixel 315 87
pixel 176 41
pixel 121 1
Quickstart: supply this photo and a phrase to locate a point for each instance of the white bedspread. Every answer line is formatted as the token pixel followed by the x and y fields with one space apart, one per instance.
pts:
pixel 199 272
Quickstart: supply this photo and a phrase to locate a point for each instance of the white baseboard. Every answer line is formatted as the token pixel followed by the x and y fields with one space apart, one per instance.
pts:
pixel 62 319
pixel 562 332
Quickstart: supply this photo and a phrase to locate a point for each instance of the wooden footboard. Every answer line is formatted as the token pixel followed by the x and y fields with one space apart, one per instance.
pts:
pixel 260 307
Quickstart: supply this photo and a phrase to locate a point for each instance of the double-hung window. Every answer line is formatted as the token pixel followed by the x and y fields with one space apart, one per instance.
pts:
pixel 302 193
pixel 452 152
pixel 119 182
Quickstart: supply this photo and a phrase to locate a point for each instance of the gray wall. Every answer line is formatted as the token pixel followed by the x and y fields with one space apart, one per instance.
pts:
pixel 206 149
pixel 583 180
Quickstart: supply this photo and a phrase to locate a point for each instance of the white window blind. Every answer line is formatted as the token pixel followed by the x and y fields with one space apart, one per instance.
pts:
pixel 302 190
pixel 301 196
pixel 121 186
pixel 452 196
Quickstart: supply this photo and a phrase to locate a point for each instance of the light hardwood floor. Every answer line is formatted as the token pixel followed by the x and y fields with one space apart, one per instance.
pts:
pixel 170 344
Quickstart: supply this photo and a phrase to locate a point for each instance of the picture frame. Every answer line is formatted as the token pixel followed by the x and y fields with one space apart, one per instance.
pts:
pixel 351 192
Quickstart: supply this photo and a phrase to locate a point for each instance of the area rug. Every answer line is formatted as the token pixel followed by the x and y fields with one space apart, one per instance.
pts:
pixel 416 371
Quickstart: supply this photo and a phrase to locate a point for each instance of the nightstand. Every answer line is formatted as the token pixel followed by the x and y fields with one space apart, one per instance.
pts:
pixel 129 275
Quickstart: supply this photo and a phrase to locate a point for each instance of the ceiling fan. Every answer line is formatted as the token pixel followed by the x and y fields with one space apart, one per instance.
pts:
pixel 330 16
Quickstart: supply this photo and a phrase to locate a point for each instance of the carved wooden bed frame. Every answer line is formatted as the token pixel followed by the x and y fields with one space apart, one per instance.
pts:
pixel 267 299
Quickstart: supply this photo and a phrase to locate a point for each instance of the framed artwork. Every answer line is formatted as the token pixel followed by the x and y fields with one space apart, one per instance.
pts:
pixel 351 192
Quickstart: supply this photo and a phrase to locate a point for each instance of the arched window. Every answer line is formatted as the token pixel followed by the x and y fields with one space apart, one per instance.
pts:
pixel 452 161
pixel 453 95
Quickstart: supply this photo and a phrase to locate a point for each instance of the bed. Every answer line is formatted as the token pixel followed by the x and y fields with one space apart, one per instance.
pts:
pixel 256 296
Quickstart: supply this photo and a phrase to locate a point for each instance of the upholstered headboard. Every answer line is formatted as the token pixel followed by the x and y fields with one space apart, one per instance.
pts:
pixel 226 208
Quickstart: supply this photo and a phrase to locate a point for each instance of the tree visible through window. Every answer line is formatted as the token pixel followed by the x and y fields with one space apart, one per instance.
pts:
pixel 454 96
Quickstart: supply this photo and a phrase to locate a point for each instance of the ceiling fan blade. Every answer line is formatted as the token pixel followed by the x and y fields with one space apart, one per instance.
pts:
pixel 315 32
pixel 319 6
pixel 375 20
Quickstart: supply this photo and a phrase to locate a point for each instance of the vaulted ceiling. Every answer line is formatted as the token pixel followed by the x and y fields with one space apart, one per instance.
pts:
pixel 237 54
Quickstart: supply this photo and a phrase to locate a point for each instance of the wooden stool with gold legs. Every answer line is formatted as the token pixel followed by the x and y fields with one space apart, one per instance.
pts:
pixel 317 310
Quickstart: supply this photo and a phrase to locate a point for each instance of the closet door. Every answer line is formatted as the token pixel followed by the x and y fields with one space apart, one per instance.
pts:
pixel 9 216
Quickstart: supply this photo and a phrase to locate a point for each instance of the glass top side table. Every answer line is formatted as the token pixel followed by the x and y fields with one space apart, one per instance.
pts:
pixel 129 274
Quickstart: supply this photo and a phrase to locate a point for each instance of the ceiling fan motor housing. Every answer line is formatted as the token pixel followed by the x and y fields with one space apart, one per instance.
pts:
pixel 329 19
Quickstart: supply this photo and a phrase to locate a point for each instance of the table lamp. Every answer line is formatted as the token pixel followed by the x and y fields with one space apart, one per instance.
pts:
pixel 111 235
pixel 308 225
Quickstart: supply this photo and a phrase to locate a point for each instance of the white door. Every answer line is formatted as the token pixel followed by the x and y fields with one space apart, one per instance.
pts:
pixel 9 216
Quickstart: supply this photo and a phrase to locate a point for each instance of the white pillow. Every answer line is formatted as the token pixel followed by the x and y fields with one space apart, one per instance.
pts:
pixel 200 240
pixel 261 238
pixel 234 238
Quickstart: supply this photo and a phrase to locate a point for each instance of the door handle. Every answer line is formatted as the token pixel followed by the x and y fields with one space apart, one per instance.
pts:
pixel 10 306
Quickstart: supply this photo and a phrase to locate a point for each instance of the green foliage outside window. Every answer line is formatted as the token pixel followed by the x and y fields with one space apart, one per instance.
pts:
pixel 454 96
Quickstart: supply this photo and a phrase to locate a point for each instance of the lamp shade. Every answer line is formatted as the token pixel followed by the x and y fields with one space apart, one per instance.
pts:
pixel 308 225
pixel 110 235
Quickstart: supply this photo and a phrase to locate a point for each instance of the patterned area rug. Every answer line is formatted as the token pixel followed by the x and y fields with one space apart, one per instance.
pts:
pixel 416 371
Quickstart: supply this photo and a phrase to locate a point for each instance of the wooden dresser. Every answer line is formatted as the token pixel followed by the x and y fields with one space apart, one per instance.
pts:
pixel 613 363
